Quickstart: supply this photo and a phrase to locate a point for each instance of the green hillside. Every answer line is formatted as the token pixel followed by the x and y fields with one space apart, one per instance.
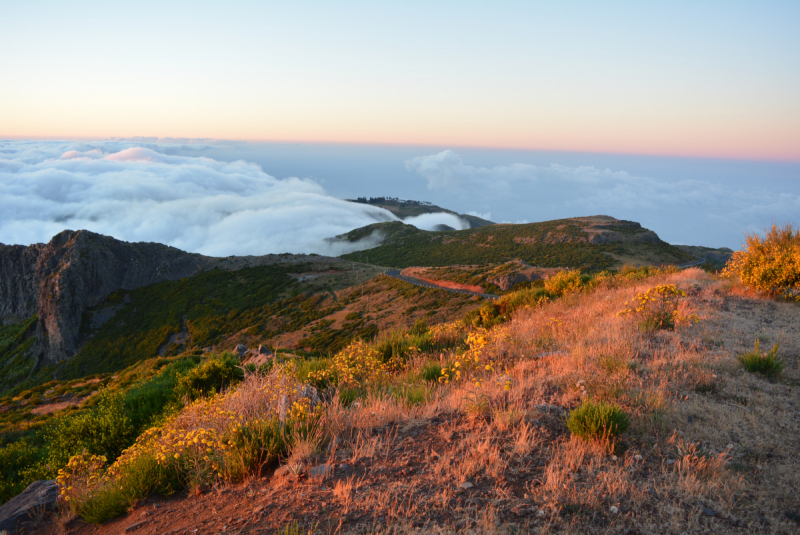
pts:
pixel 558 243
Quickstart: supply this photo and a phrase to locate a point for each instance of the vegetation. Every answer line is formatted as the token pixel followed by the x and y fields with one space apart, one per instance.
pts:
pixel 657 308
pixel 767 364
pixel 770 265
pixel 559 243
pixel 205 442
pixel 598 421
pixel 109 420
pixel 16 341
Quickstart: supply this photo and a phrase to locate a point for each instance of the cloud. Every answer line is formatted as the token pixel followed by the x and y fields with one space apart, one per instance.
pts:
pixel 432 221
pixel 487 216
pixel 679 210
pixel 151 193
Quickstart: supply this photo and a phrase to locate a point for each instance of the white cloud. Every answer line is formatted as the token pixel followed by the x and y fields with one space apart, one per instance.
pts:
pixel 679 210
pixel 148 193
pixel 487 216
pixel 431 221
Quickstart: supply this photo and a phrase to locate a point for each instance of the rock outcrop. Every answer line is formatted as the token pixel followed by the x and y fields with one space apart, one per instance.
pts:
pixel 75 271
pixel 18 297
pixel 23 509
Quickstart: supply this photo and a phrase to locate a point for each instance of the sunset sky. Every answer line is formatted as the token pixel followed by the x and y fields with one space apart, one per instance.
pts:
pixel 710 79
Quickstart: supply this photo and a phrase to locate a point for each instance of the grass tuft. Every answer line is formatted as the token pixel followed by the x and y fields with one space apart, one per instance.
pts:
pixel 598 421
pixel 767 364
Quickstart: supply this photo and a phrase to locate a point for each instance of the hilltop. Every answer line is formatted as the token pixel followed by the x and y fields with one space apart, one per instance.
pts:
pixel 594 243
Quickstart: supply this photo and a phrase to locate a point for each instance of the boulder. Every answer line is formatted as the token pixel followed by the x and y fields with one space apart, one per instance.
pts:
pixel 38 497
pixel 259 356
pixel 240 350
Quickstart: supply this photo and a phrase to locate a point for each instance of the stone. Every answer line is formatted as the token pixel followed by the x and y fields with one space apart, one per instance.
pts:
pixel 134 527
pixel 614 509
pixel 311 394
pixel 519 510
pixel 322 470
pixel 466 485
pixel 240 350
pixel 42 494
pixel 708 512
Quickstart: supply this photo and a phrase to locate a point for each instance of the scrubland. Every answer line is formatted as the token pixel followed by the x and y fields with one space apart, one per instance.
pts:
pixel 468 426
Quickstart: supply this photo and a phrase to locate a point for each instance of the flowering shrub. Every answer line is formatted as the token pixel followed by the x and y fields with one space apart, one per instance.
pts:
pixel 447 334
pixel 564 282
pixel 471 366
pixel 357 365
pixel 771 265
pixel 658 308
pixel 218 438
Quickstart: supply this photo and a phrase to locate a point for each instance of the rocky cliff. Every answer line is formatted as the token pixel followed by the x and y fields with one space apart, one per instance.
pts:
pixel 75 271
pixel 17 281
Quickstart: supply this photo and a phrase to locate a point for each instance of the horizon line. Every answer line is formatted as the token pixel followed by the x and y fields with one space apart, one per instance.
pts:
pixel 198 140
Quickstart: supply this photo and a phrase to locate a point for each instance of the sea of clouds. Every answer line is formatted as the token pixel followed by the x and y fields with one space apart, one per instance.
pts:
pixel 155 192
pixel 681 210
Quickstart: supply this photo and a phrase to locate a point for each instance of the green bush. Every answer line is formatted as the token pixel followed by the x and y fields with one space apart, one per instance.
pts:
pixel 431 371
pixel 597 421
pixel 767 364
pixel 213 375
pixel 105 429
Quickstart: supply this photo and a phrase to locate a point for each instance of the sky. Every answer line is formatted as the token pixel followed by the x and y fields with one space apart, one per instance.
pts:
pixel 715 79
pixel 238 127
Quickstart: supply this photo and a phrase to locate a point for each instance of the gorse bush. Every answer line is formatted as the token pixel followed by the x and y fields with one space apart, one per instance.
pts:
pixel 657 308
pixel 564 282
pixel 214 375
pixel 764 363
pixel 770 265
pixel 223 438
pixel 597 420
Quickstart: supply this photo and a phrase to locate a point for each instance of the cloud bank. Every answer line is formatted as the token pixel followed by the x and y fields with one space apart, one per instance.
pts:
pixel 149 193
pixel 679 210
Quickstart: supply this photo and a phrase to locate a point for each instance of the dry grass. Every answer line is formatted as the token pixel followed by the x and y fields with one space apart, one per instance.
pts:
pixel 710 449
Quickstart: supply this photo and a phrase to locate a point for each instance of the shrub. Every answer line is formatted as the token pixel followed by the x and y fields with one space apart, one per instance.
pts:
pixel 359 365
pixel 431 371
pixel 104 430
pixel 212 376
pixel 764 363
pixel 221 438
pixel 657 308
pixel 564 282
pixel 771 265
pixel 597 421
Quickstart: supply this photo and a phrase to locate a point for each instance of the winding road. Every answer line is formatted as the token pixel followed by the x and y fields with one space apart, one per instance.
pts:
pixel 395 273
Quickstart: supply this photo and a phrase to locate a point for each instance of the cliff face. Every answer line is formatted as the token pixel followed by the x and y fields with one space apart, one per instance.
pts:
pixel 75 271
pixel 17 280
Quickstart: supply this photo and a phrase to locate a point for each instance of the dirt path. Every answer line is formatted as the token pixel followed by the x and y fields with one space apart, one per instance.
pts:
pixel 395 273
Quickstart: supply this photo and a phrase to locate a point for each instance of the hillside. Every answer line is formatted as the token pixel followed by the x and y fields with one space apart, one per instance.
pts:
pixel 710 447
pixel 406 208
pixel 598 242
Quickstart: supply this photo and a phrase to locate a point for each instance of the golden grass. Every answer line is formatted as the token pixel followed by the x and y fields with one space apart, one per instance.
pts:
pixel 710 449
